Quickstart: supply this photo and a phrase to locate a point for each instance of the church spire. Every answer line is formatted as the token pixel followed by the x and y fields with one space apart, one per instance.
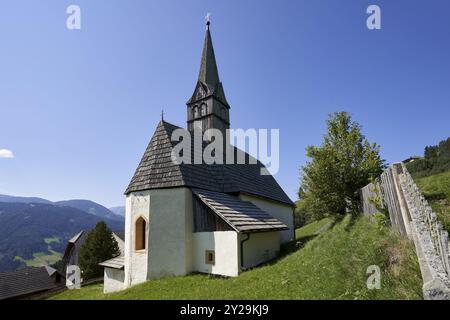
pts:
pixel 208 68
pixel 208 108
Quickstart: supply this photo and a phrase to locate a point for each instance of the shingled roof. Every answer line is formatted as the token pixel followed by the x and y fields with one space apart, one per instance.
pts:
pixel 157 170
pixel 208 77
pixel 114 263
pixel 25 282
pixel 242 216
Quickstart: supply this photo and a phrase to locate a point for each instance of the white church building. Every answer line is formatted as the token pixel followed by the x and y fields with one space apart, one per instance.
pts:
pixel 184 218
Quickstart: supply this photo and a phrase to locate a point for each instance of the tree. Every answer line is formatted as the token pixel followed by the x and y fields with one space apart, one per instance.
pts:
pixel 99 246
pixel 344 163
pixel 436 160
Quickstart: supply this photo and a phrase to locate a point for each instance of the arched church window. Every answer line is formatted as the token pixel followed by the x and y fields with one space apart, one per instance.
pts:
pixel 203 109
pixel 140 234
pixel 195 112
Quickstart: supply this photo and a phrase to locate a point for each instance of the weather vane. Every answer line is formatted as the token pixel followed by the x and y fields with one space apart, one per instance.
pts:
pixel 208 19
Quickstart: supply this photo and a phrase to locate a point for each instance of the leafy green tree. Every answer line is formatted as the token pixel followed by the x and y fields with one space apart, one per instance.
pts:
pixel 345 162
pixel 99 246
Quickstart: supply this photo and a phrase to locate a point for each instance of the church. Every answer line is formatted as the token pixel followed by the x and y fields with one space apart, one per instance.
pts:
pixel 183 218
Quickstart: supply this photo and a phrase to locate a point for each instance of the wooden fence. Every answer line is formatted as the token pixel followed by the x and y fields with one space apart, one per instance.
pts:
pixel 411 216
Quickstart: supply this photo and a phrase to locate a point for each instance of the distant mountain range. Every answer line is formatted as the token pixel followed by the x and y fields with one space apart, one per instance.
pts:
pixel 83 205
pixel 92 208
pixel 120 211
pixel 5 198
pixel 34 231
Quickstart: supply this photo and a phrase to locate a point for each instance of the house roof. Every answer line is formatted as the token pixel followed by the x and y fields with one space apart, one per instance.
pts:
pixel 81 236
pixel 243 216
pixel 51 271
pixel 157 170
pixel 411 159
pixel 120 234
pixel 71 244
pixel 25 281
pixel 115 263
pixel 76 237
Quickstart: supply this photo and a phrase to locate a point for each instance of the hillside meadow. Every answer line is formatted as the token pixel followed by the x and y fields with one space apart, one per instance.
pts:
pixel 436 189
pixel 331 265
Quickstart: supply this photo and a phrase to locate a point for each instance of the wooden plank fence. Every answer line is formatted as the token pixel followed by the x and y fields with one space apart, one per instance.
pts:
pixel 411 216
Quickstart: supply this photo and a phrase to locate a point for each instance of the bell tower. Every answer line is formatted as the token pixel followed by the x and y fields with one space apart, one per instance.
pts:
pixel 208 108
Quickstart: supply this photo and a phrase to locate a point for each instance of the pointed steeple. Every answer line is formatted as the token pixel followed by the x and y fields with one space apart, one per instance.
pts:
pixel 208 68
pixel 208 108
pixel 208 83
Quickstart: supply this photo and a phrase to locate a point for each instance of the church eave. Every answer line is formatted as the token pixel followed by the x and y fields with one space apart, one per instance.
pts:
pixel 193 100
pixel 209 115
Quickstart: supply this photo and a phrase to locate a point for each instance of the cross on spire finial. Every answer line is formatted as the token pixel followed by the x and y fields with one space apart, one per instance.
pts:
pixel 208 19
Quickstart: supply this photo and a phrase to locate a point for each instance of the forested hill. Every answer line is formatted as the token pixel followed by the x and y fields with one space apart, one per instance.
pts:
pixel 37 233
pixel 436 159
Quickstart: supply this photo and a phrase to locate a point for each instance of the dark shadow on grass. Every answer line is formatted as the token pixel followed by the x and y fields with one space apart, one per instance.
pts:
pixel 300 242
pixel 294 245
pixel 285 250
pixel 434 196
pixel 351 222
pixel 329 226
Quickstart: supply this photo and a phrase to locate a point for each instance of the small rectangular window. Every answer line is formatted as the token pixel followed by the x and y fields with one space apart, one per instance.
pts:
pixel 209 257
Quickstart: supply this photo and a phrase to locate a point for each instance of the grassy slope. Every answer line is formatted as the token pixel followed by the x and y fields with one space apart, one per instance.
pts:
pixel 331 266
pixel 436 189
pixel 313 229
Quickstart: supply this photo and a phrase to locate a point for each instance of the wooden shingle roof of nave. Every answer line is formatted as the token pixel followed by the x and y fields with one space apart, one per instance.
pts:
pixel 156 170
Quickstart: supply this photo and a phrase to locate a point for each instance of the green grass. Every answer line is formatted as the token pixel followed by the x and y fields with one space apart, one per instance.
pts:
pixel 314 228
pixel 436 189
pixel 331 266
pixel 41 258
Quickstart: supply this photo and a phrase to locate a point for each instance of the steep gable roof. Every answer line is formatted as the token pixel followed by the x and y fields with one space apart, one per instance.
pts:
pixel 157 170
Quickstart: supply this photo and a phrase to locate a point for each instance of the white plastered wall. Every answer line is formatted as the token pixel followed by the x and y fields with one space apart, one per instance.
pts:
pixel 226 250
pixel 171 226
pixel 113 280
pixel 137 205
pixel 280 211
pixel 169 217
pixel 260 247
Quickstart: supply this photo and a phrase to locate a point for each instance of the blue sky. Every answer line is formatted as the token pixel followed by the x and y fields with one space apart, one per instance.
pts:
pixel 77 108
